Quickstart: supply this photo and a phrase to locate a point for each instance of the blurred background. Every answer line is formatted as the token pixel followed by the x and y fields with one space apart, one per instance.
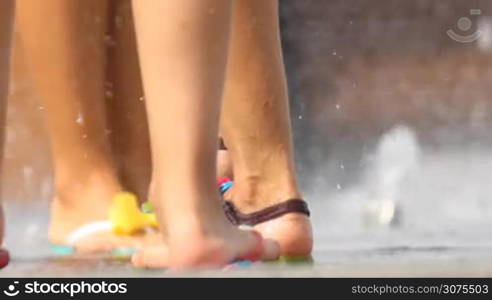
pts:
pixel 391 104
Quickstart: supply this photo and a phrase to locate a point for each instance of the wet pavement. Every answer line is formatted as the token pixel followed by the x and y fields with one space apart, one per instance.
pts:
pixel 383 262
pixel 436 228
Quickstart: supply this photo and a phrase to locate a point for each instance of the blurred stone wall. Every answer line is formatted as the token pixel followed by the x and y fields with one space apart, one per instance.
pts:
pixel 357 68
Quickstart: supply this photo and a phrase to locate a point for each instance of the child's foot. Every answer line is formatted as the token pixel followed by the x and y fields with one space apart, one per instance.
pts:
pixel 200 250
pixel 155 256
pixel 81 203
pixel 292 231
pixel 202 237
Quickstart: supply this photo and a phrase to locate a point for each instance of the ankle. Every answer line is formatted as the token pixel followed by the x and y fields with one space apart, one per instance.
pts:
pixel 95 182
pixel 252 193
pixel 186 207
pixel 203 230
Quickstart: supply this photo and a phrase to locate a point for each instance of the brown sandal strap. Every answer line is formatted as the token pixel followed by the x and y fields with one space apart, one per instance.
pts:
pixel 222 145
pixel 267 214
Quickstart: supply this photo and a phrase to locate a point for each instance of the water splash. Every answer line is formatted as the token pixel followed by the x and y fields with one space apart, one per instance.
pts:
pixel 396 156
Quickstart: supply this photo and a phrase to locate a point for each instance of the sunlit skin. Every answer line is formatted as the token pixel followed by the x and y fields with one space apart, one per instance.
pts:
pixel 255 125
pixel 185 86
pixel 67 56
pixel 96 120
pixel 84 167
pixel 263 47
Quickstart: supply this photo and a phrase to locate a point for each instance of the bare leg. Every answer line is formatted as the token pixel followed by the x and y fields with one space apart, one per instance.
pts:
pixel 67 55
pixel 183 51
pixel 256 124
pixel 224 162
pixel 6 17
pixel 126 109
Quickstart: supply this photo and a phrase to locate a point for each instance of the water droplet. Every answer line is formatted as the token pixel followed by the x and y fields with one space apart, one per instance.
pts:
pixel 118 21
pixel 28 171
pixel 84 136
pixel 300 117
pixel 80 119
pixel 342 167
pixel 109 94
pixel 339 187
pixel 141 98
pixel 334 53
pixel 109 41
pixel 338 106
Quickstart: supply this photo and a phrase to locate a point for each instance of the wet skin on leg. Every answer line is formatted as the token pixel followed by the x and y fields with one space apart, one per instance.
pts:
pixel 67 56
pixel 183 51
pixel 256 125
pixel 126 107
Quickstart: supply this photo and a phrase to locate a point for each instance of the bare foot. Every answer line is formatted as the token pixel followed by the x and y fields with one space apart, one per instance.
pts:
pixel 202 238
pixel 199 251
pixel 156 256
pixel 81 203
pixel 292 231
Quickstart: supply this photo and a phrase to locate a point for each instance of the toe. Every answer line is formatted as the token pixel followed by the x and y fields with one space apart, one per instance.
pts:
pixel 271 250
pixel 151 257
pixel 138 259
pixel 259 248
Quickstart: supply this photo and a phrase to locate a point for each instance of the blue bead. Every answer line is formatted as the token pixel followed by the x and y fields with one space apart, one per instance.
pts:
pixel 243 263
pixel 226 186
pixel 62 250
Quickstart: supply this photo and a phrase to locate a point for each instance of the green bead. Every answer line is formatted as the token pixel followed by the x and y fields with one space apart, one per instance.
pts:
pixel 122 252
pixel 147 207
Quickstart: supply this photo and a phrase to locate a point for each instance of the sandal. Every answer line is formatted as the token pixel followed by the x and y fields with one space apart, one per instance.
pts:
pixel 272 212
pixel 125 218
